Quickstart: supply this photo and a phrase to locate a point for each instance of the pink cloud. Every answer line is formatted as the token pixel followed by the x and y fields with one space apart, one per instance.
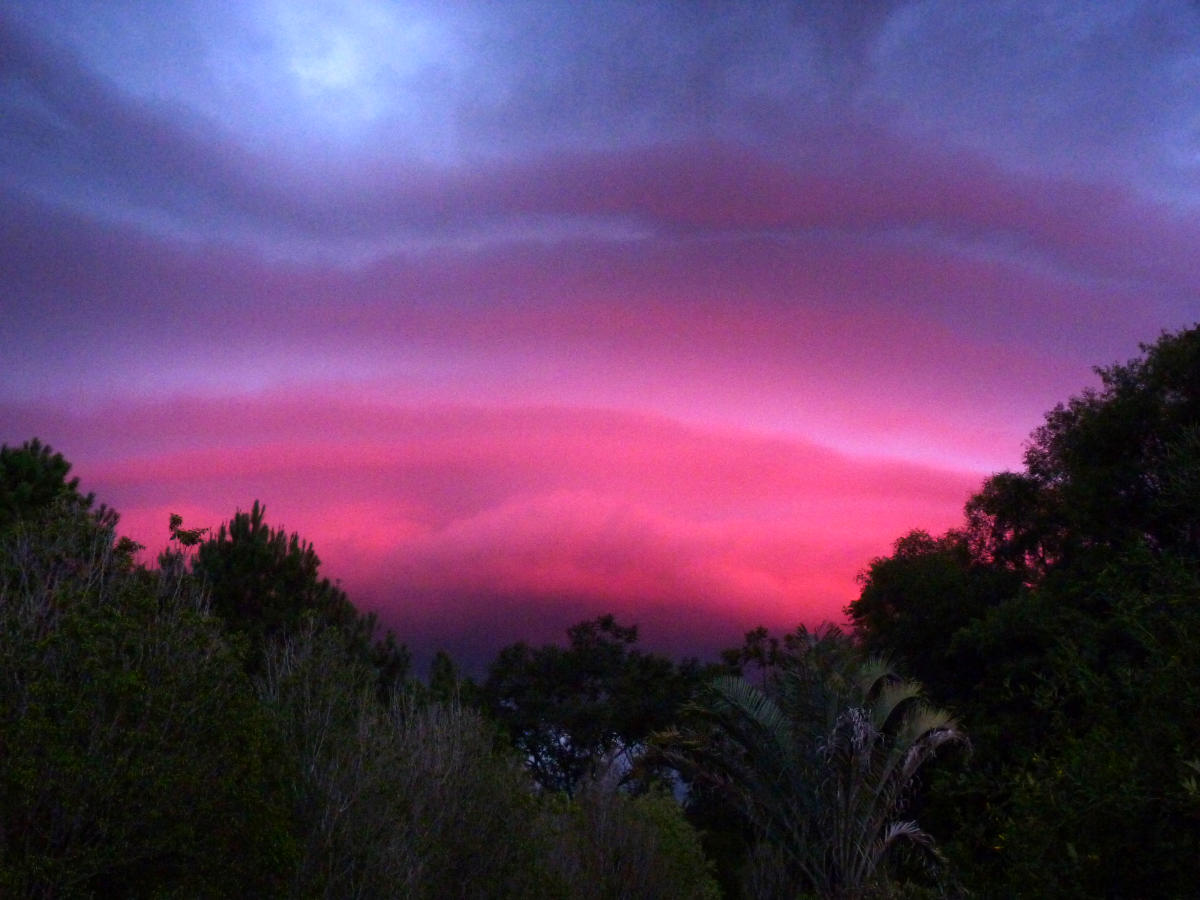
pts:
pixel 939 342
pixel 428 515
pixel 939 352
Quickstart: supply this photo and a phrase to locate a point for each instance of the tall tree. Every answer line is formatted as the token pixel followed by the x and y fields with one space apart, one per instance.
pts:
pixel 264 581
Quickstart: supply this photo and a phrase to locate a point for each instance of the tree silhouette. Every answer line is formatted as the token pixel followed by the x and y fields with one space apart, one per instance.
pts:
pixel 32 477
pixel 1057 622
pixel 566 709
pixel 267 584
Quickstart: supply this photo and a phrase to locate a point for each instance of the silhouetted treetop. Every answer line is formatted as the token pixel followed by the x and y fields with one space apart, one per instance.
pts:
pixel 567 709
pixel 32 477
pixel 1062 624
pixel 266 584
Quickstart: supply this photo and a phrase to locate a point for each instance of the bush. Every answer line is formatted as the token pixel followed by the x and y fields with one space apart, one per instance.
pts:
pixel 134 757
pixel 611 844
pixel 398 799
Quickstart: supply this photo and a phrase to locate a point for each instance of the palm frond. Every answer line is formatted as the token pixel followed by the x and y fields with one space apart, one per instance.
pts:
pixel 822 766
pixel 893 702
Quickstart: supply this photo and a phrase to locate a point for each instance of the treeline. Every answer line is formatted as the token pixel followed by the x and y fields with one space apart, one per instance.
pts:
pixel 225 723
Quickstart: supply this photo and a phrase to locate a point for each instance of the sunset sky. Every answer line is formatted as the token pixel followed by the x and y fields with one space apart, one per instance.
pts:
pixel 526 312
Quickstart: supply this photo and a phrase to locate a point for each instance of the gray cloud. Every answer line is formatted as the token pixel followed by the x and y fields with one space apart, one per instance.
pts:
pixel 331 121
pixel 1094 91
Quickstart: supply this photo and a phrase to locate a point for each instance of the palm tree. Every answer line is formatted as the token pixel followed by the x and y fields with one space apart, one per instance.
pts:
pixel 821 764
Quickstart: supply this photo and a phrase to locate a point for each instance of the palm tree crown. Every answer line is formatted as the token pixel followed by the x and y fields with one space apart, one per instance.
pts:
pixel 821 763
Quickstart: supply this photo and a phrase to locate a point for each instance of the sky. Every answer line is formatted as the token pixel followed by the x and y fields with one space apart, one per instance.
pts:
pixel 522 313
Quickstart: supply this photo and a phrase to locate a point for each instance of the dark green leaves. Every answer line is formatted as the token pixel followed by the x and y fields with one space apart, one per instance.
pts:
pixel 568 708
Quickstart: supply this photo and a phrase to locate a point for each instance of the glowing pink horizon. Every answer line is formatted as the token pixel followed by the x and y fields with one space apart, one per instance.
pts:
pixel 648 310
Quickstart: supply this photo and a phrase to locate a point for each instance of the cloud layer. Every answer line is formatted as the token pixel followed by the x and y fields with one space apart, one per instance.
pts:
pixel 643 307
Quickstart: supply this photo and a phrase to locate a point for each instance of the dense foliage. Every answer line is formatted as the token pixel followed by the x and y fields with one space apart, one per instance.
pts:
pixel 569 710
pixel 1062 623
pixel 135 758
pixel 156 742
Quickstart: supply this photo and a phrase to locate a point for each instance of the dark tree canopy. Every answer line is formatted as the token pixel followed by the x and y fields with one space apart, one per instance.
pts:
pixel 135 759
pixel 567 708
pixel 1058 622
pixel 914 599
pixel 265 580
pixel 266 584
pixel 1109 469
pixel 32 477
